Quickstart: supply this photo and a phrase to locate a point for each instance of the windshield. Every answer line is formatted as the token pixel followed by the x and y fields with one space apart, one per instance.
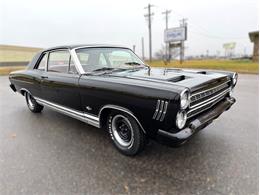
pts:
pixel 101 59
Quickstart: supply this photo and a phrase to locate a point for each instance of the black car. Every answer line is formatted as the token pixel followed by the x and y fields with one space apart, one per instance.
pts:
pixel 110 87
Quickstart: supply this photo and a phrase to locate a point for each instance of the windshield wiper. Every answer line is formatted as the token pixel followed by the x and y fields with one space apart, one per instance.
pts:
pixel 102 69
pixel 133 63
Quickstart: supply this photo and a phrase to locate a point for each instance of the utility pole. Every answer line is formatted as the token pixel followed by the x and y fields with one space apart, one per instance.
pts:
pixel 183 23
pixel 134 48
pixel 167 48
pixel 150 29
pixel 143 48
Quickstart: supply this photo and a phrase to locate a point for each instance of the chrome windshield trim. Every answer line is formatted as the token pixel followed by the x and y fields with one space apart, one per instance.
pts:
pixel 208 89
pixel 76 61
pixel 205 101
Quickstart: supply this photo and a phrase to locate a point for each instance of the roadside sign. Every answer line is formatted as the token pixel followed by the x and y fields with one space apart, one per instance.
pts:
pixel 231 45
pixel 175 34
pixel 174 45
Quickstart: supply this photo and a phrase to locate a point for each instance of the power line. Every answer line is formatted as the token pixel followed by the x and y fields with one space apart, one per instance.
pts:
pixel 149 15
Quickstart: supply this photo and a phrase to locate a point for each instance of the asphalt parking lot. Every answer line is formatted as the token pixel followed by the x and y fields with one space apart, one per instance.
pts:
pixel 52 153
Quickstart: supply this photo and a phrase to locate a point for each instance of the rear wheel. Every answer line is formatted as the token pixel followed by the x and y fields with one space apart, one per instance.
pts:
pixel 125 133
pixel 32 104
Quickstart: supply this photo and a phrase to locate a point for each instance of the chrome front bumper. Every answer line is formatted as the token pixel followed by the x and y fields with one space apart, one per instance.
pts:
pixel 201 121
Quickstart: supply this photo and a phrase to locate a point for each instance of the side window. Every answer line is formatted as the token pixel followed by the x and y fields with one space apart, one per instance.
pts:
pixel 72 68
pixel 59 61
pixel 102 60
pixel 42 63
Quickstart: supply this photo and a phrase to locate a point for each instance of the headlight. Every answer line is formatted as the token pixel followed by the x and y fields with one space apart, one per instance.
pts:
pixel 184 99
pixel 234 79
pixel 181 119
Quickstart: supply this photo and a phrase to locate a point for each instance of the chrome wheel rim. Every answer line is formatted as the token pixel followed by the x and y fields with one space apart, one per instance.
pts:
pixel 30 100
pixel 122 130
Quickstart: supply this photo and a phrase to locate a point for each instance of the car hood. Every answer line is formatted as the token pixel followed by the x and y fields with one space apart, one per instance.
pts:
pixel 188 78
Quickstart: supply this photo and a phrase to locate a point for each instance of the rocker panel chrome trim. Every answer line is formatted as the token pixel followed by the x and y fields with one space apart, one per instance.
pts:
pixel 87 118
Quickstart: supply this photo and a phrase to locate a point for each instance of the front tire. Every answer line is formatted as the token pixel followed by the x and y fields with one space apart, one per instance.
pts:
pixel 125 133
pixel 32 104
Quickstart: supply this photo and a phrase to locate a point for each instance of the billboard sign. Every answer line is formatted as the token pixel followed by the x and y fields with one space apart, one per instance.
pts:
pixel 175 34
pixel 231 45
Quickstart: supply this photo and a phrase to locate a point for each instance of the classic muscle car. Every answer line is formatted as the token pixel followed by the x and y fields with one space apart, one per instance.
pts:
pixel 109 87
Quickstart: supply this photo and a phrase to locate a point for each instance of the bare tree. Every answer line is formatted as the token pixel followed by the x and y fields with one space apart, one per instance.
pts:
pixel 160 54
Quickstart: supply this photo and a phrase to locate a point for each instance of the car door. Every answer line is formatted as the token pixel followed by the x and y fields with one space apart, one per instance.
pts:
pixel 33 78
pixel 59 82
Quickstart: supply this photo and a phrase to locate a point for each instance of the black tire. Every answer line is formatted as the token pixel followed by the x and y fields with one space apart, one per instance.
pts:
pixel 125 133
pixel 32 104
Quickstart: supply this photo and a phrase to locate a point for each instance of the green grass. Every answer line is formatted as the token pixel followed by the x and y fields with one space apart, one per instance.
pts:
pixel 229 65
pixel 11 53
pixel 241 66
pixel 17 54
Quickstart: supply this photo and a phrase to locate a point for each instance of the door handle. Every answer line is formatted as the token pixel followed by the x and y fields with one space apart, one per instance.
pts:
pixel 44 77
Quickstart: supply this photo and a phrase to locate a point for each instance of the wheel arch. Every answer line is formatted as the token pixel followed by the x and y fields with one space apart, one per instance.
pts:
pixel 105 110
pixel 23 90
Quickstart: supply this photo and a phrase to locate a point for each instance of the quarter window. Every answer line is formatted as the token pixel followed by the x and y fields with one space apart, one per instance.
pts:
pixel 59 61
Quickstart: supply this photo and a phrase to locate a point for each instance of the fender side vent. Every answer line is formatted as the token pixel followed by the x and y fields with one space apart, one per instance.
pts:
pixel 160 110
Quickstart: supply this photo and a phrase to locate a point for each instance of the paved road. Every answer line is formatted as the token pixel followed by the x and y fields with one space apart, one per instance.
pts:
pixel 53 153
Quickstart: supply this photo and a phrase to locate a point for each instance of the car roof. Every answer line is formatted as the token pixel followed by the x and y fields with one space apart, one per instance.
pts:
pixel 82 46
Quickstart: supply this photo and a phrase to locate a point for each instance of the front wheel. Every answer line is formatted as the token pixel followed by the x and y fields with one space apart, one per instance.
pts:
pixel 125 133
pixel 32 104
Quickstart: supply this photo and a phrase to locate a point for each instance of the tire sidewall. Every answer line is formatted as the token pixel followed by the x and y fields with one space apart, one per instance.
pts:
pixel 36 107
pixel 135 145
pixel 27 101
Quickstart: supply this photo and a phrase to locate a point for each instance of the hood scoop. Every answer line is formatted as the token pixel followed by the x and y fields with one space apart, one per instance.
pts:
pixel 177 78
pixel 201 72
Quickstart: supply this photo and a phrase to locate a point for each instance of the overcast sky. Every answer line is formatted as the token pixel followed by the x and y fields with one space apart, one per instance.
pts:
pixel 49 23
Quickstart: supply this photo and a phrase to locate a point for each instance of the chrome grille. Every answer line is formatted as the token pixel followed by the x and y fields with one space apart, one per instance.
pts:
pixel 203 100
pixel 160 110
pixel 204 94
